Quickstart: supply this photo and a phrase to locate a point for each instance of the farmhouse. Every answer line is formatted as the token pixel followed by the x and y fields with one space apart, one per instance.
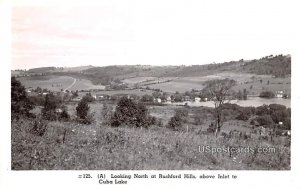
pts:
pixel 169 99
pixel 186 98
pixel 279 94
pixel 197 99
pixel 204 99
pixel 158 100
pixel 286 133
pixel 77 99
pixel 58 110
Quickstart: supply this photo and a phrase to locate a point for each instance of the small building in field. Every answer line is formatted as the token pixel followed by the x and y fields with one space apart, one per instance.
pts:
pixel 197 99
pixel 169 99
pixel 158 100
pixel 279 94
pixel 204 99
pixel 186 98
pixel 77 99
pixel 286 133
pixel 58 110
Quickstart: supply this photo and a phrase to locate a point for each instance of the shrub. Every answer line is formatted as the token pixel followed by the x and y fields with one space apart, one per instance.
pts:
pixel 160 122
pixel 20 104
pixel 82 112
pixel 267 94
pixel 276 107
pixel 245 113
pixel 197 119
pixel 50 105
pixel 175 122
pixel 243 116
pixel 147 98
pixel 280 116
pixel 262 110
pixel 178 119
pixel 287 124
pixel 37 100
pixel 130 113
pixel 82 109
pixel 230 106
pixel 264 120
pixel 88 97
pixel 39 127
pixel 211 128
pixel 182 113
pixel 64 115
pixel 106 114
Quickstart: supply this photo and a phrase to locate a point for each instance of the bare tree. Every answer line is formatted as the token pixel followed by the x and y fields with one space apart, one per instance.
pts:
pixel 219 90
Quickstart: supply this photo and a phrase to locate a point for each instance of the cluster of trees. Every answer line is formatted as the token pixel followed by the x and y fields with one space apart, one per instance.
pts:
pixel 131 113
pixel 242 95
pixel 219 89
pixel 135 114
pixel 267 94
pixel 265 115
pixel 273 114
pixel 20 104
pixel 180 117
pixel 279 66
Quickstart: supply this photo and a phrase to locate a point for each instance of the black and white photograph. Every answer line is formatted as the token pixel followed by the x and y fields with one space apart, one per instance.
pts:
pixel 152 86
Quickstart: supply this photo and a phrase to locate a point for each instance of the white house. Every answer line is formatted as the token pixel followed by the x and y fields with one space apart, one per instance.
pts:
pixel 279 94
pixel 158 100
pixel 197 99
pixel 169 99
pixel 77 99
pixel 204 99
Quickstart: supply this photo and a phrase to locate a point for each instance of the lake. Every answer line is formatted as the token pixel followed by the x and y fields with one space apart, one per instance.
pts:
pixel 252 101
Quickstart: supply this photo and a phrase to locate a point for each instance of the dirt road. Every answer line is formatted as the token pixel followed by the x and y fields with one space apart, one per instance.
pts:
pixel 70 86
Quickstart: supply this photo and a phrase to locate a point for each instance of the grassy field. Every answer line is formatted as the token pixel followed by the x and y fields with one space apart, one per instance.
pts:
pixel 56 83
pixel 138 92
pixel 254 84
pixel 134 80
pixel 84 84
pixel 73 146
pixel 50 82
pixel 251 82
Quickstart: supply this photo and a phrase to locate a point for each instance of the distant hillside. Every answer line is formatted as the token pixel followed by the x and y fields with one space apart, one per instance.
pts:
pixel 41 70
pixel 77 69
pixel 278 66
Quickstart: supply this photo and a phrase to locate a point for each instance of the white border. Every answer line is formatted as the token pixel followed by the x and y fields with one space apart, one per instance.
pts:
pixel 50 179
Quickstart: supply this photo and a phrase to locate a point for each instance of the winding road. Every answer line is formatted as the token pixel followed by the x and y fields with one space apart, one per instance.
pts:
pixel 70 86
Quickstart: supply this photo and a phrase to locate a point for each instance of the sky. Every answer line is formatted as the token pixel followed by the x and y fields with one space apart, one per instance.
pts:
pixel 153 32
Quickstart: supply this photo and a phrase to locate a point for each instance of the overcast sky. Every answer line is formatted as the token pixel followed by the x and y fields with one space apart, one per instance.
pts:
pixel 155 32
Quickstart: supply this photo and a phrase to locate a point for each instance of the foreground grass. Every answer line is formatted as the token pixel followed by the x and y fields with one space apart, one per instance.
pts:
pixel 72 146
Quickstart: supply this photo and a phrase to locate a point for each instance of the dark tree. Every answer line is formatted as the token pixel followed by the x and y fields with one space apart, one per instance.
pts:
pixel 245 93
pixel 106 114
pixel 178 119
pixel 50 105
pixel 219 90
pixel 82 109
pixel 20 104
pixel 130 113
pixel 267 94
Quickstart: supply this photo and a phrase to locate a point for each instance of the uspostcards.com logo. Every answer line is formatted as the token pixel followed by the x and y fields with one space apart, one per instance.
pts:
pixel 227 149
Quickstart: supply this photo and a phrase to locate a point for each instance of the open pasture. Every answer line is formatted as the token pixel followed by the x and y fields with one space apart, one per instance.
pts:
pixel 47 82
pixel 84 84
